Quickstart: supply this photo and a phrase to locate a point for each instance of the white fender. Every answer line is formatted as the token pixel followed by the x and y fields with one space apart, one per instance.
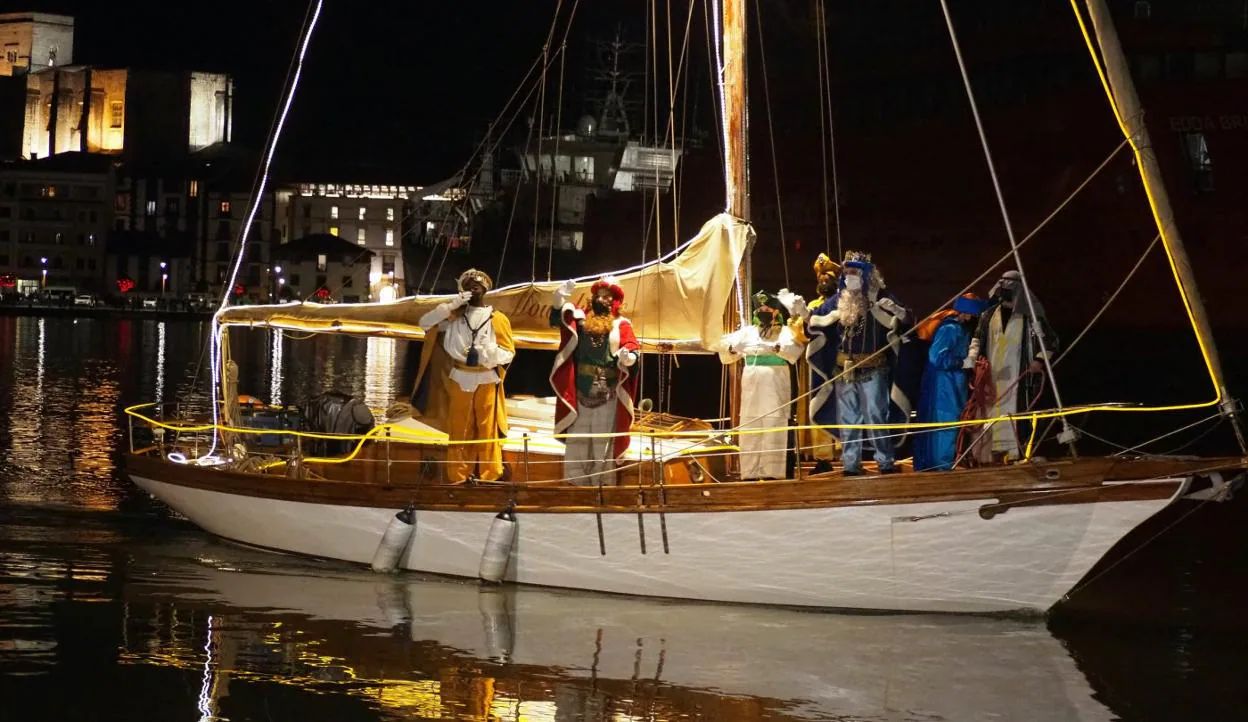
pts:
pixel 498 544
pixel 394 541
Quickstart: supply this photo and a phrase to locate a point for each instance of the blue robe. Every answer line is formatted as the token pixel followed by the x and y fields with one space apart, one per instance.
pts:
pixel 942 397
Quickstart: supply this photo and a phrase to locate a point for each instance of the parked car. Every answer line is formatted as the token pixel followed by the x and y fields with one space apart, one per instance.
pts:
pixel 85 299
pixel 149 303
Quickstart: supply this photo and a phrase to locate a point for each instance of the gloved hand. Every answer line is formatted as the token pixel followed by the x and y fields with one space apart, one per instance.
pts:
pixel 889 305
pixel 460 300
pixel 795 304
pixel 563 293
pixel 627 358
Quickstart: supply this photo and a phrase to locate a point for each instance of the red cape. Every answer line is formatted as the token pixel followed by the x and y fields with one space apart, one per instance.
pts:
pixel 563 375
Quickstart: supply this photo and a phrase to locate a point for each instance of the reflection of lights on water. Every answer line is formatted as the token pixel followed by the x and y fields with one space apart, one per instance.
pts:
pixel 39 364
pixel 160 362
pixel 275 370
pixel 205 688
pixel 379 372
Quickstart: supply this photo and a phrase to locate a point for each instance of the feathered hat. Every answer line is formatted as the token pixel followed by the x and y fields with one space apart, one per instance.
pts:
pixel 825 267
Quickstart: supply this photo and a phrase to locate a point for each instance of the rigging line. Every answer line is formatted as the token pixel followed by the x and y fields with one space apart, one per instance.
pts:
pixel 1168 434
pixel 827 71
pixel 673 77
pixel 1152 205
pixel 554 204
pixel 493 124
pixel 1005 214
pixel 713 77
pixel 541 117
pixel 215 328
pixel 1193 440
pixel 823 150
pixel 771 135
pixel 729 190
pixel 1034 232
pixel 1113 296
pixel 654 88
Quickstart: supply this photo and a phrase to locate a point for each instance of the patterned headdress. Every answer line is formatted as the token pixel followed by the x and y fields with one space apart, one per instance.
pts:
pixel 617 292
pixel 772 301
pixel 473 274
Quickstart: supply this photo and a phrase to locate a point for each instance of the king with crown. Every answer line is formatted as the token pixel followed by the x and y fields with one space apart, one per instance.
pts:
pixel 592 379
pixel 860 325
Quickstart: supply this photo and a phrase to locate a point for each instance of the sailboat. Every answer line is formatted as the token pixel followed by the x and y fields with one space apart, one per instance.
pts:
pixel 678 524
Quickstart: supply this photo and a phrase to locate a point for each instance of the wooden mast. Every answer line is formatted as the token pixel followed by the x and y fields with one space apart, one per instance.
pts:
pixel 1131 116
pixel 736 174
pixel 736 117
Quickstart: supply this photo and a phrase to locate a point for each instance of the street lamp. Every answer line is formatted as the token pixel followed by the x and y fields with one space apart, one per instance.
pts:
pixel 43 261
pixel 164 277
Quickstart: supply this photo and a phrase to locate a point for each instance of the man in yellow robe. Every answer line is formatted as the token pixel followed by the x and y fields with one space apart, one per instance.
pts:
pixel 476 346
pixel 817 444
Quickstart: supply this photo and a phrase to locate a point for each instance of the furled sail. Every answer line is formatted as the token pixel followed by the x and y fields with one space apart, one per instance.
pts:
pixel 677 302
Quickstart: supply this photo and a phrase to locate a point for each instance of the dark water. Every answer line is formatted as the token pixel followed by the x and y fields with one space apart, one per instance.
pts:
pixel 112 608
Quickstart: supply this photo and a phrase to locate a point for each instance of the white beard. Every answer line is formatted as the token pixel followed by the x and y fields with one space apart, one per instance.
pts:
pixel 851 306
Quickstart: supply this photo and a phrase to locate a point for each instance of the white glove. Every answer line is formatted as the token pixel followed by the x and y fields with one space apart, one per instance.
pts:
pixel 563 293
pixel 459 300
pixel 972 355
pixel 889 305
pixel 628 358
pixel 795 304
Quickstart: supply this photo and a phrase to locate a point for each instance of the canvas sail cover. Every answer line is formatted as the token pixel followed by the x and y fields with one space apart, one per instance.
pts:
pixel 677 302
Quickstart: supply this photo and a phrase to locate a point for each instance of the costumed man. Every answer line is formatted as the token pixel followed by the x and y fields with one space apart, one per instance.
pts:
pixel 860 324
pixel 945 386
pixel 1006 337
pixel 817 406
pixel 468 344
pixel 594 388
pixel 769 348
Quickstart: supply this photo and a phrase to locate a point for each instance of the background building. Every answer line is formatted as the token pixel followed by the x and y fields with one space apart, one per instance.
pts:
pixel 371 217
pixel 54 216
pixel 35 40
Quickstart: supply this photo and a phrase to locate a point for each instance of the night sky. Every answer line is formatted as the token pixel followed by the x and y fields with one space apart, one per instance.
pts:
pixel 396 89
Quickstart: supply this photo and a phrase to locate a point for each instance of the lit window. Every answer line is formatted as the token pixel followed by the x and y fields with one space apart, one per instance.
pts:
pixel 390 214
pixel 224 208
pixel 116 113
pixel 359 236
pixel 333 212
pixel 151 208
pixel 194 189
pixel 321 262
pixel 363 212
pixel 333 231
pixel 389 236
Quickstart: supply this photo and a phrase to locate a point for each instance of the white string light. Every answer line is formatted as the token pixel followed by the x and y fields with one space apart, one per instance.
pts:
pixel 217 330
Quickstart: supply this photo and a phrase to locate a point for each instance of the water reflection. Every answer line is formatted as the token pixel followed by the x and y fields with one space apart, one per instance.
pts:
pixel 435 648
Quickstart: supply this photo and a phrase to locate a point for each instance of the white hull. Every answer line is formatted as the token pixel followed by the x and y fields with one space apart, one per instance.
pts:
pixel 906 557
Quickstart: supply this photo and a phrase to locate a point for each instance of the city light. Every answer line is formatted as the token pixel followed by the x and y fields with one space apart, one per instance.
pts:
pixel 164 277
pixel 43 261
